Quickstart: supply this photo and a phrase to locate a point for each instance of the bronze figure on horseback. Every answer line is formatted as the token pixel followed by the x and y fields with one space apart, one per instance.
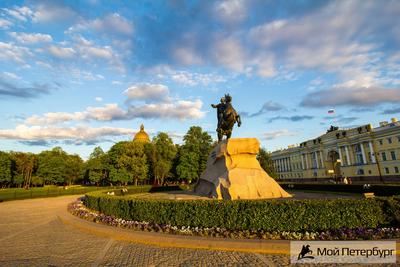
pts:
pixel 227 117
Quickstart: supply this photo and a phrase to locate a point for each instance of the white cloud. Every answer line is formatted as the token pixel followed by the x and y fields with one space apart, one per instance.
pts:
pixel 31 37
pixel 20 13
pixel 81 133
pixel 193 79
pixel 88 50
pixel 110 24
pixel 147 92
pixel 180 109
pixel 10 51
pixel 229 53
pixel 331 39
pixel 265 65
pixel 61 52
pixel 10 75
pixel 187 56
pixel 116 82
pixel 158 105
pixel 277 134
pixel 231 11
pixel 83 74
pixel 51 12
pixel 5 24
pixel 106 113
pixel 98 99
pixel 43 64
pixel 113 23
pixel 351 95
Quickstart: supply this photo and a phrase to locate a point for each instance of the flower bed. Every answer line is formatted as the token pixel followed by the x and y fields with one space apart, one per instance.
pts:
pixel 78 209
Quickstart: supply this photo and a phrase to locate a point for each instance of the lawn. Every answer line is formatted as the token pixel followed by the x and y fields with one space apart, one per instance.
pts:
pixel 47 191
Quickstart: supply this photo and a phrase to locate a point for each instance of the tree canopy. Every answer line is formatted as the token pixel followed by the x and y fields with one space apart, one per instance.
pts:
pixel 126 162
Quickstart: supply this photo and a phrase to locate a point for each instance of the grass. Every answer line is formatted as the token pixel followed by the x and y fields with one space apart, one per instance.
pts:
pixel 324 192
pixel 47 191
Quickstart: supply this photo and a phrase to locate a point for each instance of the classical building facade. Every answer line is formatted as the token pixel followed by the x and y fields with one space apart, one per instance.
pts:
pixel 363 154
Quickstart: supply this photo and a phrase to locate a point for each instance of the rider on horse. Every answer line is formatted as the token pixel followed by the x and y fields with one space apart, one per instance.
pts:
pixel 227 117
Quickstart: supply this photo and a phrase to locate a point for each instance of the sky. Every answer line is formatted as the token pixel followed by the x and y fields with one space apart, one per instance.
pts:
pixel 81 74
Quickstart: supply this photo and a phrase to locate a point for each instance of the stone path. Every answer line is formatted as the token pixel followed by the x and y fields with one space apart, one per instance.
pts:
pixel 32 234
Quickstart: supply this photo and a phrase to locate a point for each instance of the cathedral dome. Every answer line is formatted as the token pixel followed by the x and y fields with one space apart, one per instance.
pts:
pixel 141 136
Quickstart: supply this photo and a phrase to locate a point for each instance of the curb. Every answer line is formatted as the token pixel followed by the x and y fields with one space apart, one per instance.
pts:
pixel 177 241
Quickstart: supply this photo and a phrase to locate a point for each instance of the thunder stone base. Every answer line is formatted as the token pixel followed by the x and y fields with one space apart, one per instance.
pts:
pixel 233 172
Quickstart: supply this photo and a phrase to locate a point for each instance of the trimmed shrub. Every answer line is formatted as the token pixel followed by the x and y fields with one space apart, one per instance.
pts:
pixel 378 190
pixel 255 215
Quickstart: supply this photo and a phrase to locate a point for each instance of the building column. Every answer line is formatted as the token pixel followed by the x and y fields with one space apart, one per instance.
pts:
pixel 316 159
pixel 321 155
pixel 283 165
pixel 340 153
pixel 305 155
pixel 302 161
pixel 372 152
pixel 363 153
pixel 346 148
pixel 287 164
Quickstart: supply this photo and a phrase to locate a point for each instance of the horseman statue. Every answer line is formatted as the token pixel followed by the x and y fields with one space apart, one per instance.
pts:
pixel 227 117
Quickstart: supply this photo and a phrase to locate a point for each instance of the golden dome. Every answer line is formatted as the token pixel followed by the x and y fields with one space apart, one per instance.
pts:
pixel 142 136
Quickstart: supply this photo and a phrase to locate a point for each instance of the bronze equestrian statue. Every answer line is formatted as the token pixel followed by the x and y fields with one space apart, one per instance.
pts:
pixel 227 117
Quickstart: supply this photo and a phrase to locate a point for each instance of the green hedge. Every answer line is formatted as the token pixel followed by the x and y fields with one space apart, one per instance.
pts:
pixel 268 215
pixel 377 189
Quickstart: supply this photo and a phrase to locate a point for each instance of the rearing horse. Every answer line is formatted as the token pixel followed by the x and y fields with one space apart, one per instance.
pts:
pixel 230 117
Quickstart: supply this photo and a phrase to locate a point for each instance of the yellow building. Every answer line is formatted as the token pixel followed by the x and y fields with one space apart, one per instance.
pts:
pixel 141 136
pixel 363 154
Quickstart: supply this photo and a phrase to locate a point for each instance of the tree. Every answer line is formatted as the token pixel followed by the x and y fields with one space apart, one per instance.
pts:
pixel 6 165
pixel 127 158
pixel 194 153
pixel 95 167
pixel 188 166
pixel 119 175
pixel 264 157
pixel 53 166
pixel 134 161
pixel 75 168
pixel 162 153
pixel 25 164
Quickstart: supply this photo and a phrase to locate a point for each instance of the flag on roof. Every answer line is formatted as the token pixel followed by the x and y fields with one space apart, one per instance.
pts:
pixel 331 111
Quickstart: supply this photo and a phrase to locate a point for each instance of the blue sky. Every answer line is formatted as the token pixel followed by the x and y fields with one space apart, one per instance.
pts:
pixel 80 74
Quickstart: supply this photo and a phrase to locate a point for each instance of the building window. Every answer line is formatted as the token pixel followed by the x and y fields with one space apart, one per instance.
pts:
pixel 360 172
pixel 393 155
pixel 359 156
pixel 387 170
pixel 396 169
pixel 398 138
pixel 383 156
pixel 380 141
pixel 389 140
pixel 369 172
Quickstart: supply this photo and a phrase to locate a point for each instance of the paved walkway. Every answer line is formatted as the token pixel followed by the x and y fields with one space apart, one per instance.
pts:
pixel 40 232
